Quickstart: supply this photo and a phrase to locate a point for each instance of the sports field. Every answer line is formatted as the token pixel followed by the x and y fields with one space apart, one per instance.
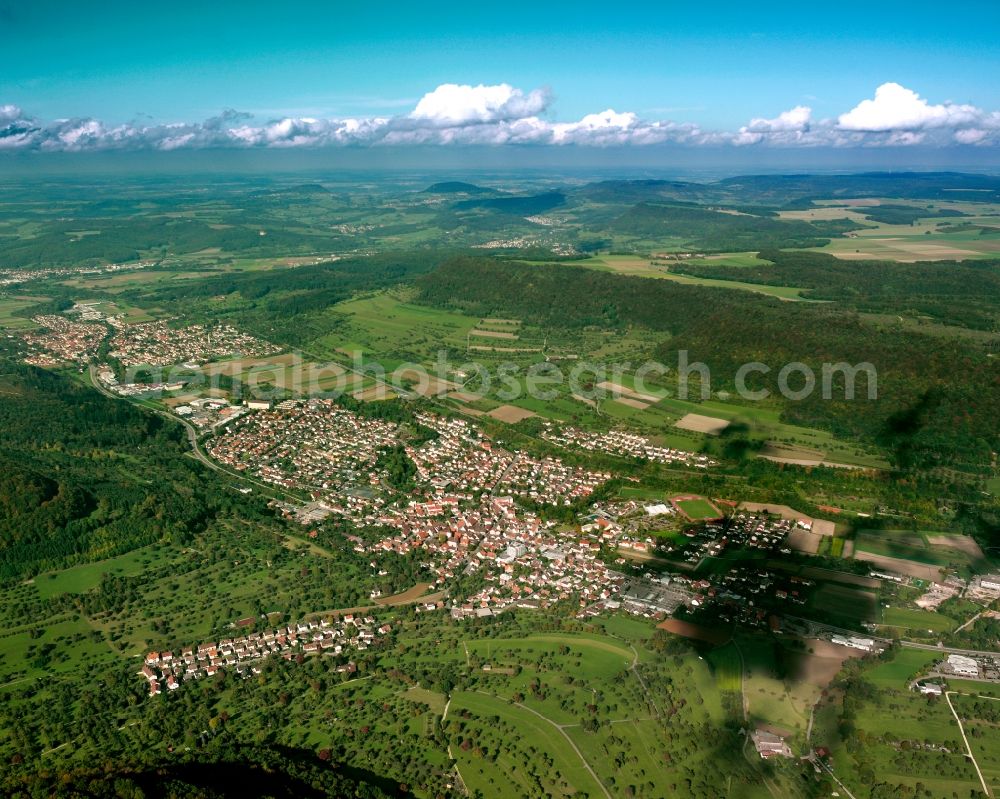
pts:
pixel 696 508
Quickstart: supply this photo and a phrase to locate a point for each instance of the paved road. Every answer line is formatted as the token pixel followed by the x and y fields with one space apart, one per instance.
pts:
pixel 944 650
pixel 835 779
pixel 192 435
pixel 949 650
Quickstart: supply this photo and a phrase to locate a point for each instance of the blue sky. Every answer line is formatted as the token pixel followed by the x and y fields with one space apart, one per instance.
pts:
pixel 713 65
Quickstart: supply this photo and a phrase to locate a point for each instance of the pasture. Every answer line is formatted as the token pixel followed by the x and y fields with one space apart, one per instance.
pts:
pixel 78 579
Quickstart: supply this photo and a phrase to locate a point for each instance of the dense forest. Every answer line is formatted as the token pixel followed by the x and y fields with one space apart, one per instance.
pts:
pixel 924 413
pixel 721 230
pixel 798 190
pixel 84 477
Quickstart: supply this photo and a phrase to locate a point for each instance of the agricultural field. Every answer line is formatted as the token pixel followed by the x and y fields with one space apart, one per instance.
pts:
pixel 921 548
pixel 973 236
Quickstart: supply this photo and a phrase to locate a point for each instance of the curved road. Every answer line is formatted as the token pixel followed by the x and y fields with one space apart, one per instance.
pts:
pixel 192 435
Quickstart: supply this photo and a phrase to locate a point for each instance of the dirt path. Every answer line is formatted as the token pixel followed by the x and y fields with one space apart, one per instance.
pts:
pixel 968 749
pixel 569 740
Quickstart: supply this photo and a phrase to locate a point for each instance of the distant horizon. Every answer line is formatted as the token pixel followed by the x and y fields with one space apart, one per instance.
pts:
pixel 698 165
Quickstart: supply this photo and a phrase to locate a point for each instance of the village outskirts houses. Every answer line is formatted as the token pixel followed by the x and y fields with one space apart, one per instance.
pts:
pixel 165 670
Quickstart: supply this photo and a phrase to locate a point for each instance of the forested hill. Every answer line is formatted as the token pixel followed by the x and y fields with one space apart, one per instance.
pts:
pixel 84 477
pixel 799 189
pixel 936 398
pixel 717 230
pixel 963 293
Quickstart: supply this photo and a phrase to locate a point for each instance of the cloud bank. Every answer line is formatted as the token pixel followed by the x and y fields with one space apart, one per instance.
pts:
pixel 455 114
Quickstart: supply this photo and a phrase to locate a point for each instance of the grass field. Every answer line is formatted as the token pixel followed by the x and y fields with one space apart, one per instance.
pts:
pixel 905 664
pixel 9 305
pixel 387 327
pixel 917 620
pixel 977 718
pixel 507 777
pixel 55 646
pixel 78 579
pixel 434 700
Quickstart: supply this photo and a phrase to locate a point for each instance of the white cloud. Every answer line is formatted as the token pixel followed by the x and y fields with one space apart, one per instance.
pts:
pixel 794 121
pixel 897 108
pixel 971 136
pixel 453 105
pixel 498 115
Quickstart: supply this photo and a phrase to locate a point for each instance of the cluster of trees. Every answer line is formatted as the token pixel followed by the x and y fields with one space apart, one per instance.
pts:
pixel 785 189
pixel 517 206
pixel 907 214
pixel 400 469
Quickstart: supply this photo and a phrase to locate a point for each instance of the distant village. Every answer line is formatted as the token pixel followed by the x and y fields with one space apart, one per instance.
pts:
pixel 12 277
pixel 157 344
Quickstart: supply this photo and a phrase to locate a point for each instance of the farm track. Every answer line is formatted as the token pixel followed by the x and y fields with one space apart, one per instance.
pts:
pixel 968 748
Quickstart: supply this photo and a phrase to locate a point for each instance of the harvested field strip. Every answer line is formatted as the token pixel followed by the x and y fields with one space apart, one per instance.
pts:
pixel 618 388
pixel 494 334
pixel 511 414
pixel 632 403
pixel 702 424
